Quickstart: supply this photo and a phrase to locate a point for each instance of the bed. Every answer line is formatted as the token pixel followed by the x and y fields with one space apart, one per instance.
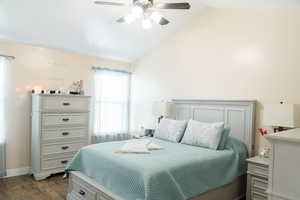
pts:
pixel 177 172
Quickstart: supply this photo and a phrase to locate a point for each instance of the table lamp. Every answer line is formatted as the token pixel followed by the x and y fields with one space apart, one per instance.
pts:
pixel 161 109
pixel 281 116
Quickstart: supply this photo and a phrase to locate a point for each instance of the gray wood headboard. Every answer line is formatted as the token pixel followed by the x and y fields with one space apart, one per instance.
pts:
pixel 238 114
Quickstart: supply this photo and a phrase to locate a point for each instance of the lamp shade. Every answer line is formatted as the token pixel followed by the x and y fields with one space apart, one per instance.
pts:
pixel 161 108
pixel 283 115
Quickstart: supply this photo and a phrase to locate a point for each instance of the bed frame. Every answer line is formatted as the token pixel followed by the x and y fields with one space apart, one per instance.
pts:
pixel 238 114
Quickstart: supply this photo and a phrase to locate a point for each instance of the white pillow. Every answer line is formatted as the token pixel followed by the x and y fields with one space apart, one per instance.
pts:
pixel 203 134
pixel 170 129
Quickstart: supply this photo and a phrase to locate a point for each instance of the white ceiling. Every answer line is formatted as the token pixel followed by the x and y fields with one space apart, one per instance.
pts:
pixel 82 26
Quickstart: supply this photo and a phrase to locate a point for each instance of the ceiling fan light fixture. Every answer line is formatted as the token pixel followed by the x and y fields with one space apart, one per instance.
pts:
pixel 146 23
pixel 137 11
pixel 155 16
pixel 145 10
pixel 129 18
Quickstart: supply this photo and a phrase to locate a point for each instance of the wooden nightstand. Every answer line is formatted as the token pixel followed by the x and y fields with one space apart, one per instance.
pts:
pixel 257 178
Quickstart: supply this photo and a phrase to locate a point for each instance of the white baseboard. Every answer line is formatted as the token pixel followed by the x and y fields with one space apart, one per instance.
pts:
pixel 17 172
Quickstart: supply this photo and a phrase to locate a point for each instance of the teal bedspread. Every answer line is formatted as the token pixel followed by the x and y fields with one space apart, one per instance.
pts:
pixel 178 172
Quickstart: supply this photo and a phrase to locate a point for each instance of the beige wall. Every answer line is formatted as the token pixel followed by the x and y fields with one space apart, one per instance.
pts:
pixel 224 54
pixel 46 68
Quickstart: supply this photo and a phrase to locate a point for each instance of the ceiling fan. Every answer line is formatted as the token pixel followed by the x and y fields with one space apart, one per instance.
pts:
pixel 145 9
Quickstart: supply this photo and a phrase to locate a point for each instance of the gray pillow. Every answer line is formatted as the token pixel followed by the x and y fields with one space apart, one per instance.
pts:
pixel 170 129
pixel 203 134
pixel 224 137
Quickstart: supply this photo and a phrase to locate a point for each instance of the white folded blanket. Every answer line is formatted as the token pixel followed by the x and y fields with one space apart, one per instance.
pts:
pixel 138 146
pixel 153 146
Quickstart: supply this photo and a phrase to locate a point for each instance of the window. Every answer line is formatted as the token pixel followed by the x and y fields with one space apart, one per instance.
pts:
pixel 2 106
pixel 2 117
pixel 111 102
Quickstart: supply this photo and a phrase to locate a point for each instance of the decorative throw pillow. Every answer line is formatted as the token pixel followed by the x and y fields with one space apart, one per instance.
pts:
pixel 224 138
pixel 203 134
pixel 171 130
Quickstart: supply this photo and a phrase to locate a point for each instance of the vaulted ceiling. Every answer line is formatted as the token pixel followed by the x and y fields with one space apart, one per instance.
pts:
pixel 82 26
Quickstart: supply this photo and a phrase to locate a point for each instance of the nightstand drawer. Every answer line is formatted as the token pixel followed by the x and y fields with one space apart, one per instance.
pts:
pixel 259 183
pixel 258 196
pixel 257 169
pixel 259 191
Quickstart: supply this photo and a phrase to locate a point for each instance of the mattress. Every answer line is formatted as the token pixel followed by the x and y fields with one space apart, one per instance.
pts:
pixel 177 172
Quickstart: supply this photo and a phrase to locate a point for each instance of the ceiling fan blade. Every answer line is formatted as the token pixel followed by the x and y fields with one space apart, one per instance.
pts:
pixel 121 20
pixel 172 5
pixel 109 3
pixel 163 21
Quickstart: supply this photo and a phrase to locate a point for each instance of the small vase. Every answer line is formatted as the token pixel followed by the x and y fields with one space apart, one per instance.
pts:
pixel 265 153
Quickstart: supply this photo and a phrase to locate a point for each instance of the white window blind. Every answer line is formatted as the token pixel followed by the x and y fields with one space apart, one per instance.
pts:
pixel 2 100
pixel 111 102
pixel 2 117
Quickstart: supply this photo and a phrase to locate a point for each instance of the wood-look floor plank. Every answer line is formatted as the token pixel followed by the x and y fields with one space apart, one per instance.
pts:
pixel 26 188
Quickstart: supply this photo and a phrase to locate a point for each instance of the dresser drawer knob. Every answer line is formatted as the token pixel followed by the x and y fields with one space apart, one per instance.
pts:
pixel 65 119
pixel 64 147
pixel 66 104
pixel 82 193
pixel 64 161
pixel 65 133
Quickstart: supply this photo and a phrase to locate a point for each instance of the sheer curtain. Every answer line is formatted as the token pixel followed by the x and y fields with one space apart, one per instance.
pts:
pixel 111 106
pixel 2 117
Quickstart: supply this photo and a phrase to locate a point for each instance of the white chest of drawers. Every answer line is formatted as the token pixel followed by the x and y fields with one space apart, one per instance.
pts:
pixel 284 175
pixel 60 127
